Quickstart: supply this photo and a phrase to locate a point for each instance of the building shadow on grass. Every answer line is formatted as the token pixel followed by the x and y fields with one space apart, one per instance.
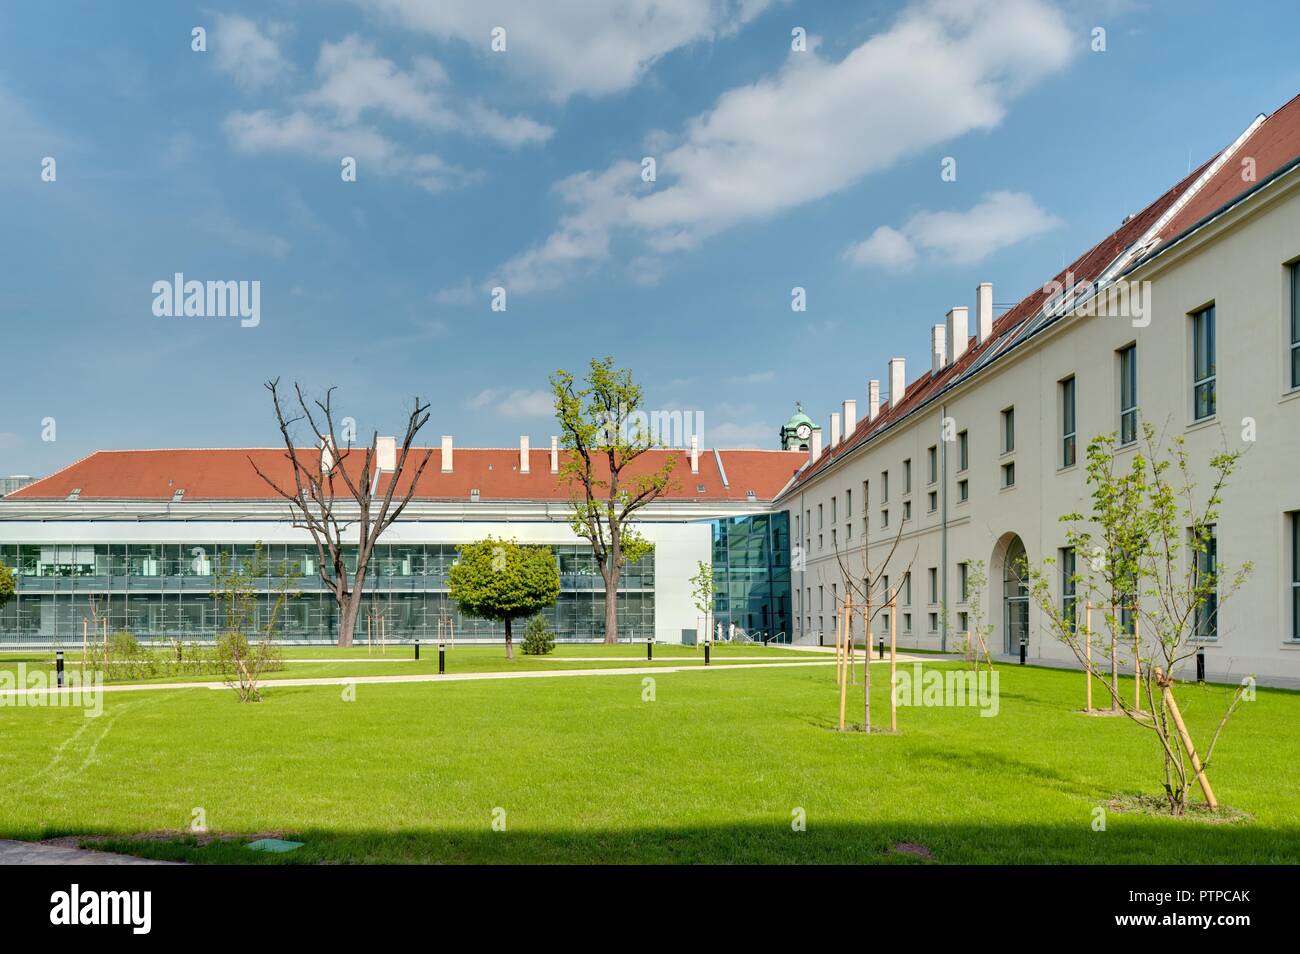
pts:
pixel 1127 841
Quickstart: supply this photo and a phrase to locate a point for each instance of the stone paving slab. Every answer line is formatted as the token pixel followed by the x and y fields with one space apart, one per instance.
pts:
pixel 37 853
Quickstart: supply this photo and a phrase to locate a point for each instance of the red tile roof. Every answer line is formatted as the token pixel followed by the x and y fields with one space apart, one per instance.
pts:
pixel 227 474
pixel 1273 144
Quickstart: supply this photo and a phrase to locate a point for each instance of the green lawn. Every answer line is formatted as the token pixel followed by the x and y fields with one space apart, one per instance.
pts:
pixel 588 772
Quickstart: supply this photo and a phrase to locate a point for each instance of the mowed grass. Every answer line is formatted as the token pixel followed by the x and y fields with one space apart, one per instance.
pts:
pixel 302 662
pixel 585 770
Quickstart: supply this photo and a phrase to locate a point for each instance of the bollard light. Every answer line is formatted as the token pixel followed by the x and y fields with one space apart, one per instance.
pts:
pixel 881 648
pixel 1024 643
pixel 649 649
pixel 442 659
pixel 1200 664
pixel 58 667
pixel 706 652
pixel 417 649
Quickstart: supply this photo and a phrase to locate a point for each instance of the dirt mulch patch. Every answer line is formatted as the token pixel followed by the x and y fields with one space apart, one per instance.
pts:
pixel 1158 806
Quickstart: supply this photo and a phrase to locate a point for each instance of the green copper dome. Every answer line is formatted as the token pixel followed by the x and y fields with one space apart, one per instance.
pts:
pixel 791 439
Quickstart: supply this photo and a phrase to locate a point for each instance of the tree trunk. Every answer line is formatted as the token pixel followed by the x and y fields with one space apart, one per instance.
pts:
pixel 1114 659
pixel 348 614
pixel 611 606
pixel 510 640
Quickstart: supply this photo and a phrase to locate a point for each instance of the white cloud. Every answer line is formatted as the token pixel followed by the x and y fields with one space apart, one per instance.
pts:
pixel 251 57
pixel 304 133
pixel 517 403
pixel 941 70
pixel 886 247
pixel 355 80
pixel 592 47
pixel 356 87
pixel 998 220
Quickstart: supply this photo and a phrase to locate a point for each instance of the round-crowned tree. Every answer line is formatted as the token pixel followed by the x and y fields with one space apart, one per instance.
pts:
pixel 504 580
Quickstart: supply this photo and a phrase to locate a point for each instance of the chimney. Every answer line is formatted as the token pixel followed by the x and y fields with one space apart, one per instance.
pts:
pixel 815 448
pixel 446 453
pixel 327 455
pixel 850 417
pixel 873 400
pixel 938 349
pixel 555 455
pixel 983 312
pixel 835 429
pixel 897 381
pixel 386 454
pixel 958 333
pixel 523 454
pixel 695 454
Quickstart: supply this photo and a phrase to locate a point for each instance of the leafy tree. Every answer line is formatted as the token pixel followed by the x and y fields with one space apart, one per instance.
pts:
pixel 597 423
pixel 538 638
pixel 503 580
pixel 702 594
pixel 8 585
pixel 1166 578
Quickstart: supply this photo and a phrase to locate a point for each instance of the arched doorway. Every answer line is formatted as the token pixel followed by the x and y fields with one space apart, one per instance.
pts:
pixel 1015 597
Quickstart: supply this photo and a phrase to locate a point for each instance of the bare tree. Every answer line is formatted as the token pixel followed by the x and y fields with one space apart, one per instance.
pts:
pixel 329 497
pixel 872 594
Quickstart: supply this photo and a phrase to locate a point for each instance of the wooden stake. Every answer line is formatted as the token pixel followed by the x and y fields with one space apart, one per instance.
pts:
pixel 844 682
pixel 848 635
pixel 893 661
pixel 1137 662
pixel 1187 742
pixel 1087 642
pixel 866 667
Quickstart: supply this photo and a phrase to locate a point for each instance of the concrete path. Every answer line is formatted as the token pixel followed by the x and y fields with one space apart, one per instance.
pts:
pixel 466 676
pixel 36 853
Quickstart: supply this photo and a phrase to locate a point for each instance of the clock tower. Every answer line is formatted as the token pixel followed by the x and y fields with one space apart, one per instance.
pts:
pixel 796 433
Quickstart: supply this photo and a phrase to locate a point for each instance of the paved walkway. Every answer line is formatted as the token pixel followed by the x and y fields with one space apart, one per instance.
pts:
pixel 469 676
pixel 36 853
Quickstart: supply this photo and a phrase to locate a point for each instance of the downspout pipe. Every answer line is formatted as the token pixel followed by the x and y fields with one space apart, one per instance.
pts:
pixel 943 528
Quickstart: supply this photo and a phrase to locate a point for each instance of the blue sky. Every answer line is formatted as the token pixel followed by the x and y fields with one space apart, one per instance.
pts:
pixel 521 169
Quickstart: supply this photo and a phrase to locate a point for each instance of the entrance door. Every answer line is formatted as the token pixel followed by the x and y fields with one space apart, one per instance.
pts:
pixel 1015 598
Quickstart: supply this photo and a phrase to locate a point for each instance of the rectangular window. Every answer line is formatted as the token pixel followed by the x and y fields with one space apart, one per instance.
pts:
pixel 834 511
pixel 907 588
pixel 1295 325
pixel 1008 430
pixel 963 490
pixel 884 486
pixel 1009 474
pixel 1069 594
pixel 932 577
pixel 884 518
pixel 819 516
pixel 907 476
pixel 963 623
pixel 963 581
pixel 1295 575
pixel 907 510
pixel 933 502
pixel 907 622
pixel 932 463
pixel 848 502
pixel 835 538
pixel 1203 364
pixel 1069 429
pixel 963 451
pixel 1207 560
pixel 866 496
pixel 934 622
pixel 1128 394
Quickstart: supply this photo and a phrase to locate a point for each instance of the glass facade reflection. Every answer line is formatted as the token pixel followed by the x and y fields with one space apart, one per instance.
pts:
pixel 163 590
pixel 751 574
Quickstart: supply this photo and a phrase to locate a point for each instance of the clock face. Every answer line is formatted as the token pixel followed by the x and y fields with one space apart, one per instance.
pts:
pixel 803 430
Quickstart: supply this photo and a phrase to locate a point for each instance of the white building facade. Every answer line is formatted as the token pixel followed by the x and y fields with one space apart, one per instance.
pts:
pixel 979 457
